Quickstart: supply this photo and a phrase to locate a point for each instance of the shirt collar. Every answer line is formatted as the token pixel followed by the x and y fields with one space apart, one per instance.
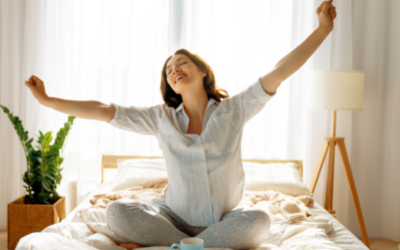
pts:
pixel 210 101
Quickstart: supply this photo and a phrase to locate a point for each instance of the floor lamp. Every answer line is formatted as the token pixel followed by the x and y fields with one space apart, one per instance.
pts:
pixel 337 90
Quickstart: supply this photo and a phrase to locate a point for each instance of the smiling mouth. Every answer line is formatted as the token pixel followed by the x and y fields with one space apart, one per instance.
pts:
pixel 180 79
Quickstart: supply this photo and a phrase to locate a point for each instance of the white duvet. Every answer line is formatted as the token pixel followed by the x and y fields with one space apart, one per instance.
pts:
pixel 90 231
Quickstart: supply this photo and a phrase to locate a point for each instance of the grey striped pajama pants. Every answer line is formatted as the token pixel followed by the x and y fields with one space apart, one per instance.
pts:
pixel 155 224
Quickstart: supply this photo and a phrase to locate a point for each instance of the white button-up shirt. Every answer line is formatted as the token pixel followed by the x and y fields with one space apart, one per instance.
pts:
pixel 205 172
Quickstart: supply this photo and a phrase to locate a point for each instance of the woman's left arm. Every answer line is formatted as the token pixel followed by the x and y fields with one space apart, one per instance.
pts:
pixel 326 13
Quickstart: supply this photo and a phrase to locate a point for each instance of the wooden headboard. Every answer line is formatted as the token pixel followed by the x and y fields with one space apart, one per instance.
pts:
pixel 110 161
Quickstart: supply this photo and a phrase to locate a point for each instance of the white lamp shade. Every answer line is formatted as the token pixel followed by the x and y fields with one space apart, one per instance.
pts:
pixel 336 89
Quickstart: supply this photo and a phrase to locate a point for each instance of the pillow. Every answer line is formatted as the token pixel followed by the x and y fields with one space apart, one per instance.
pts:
pixel 135 172
pixel 282 177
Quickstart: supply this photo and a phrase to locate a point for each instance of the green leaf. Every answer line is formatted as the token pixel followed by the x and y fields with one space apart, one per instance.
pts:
pixel 47 187
pixel 17 123
pixel 26 135
pixel 28 143
pixel 51 154
pixel 8 111
pixel 16 120
pixel 49 176
pixel 71 118
pixel 67 127
pixel 32 181
pixel 47 181
pixel 47 138
pixel 43 197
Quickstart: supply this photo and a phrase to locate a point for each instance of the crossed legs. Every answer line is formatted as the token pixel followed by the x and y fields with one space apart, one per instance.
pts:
pixel 242 228
pixel 151 224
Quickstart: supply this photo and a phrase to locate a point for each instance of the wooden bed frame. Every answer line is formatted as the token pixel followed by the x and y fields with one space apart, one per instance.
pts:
pixel 110 161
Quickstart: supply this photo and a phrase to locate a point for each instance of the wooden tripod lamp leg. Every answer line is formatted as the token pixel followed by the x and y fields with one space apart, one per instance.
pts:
pixel 354 195
pixel 329 180
pixel 318 167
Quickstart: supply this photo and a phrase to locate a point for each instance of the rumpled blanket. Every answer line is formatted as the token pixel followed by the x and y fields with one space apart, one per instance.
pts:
pixel 150 190
pixel 292 208
pixel 293 226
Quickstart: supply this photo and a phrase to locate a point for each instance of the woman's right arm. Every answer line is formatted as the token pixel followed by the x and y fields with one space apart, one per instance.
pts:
pixel 94 110
pixel 83 109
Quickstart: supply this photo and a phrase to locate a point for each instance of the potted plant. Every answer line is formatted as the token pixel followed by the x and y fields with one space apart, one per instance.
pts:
pixel 41 206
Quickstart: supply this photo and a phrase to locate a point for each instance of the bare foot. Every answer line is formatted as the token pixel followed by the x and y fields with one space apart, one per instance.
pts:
pixel 130 246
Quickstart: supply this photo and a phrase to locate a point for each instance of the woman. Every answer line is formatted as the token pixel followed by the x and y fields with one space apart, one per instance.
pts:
pixel 200 136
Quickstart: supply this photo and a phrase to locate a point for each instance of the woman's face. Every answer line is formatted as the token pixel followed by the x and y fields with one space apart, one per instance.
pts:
pixel 192 80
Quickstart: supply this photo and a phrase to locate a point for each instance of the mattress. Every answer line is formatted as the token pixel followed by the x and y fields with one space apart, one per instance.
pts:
pixel 75 232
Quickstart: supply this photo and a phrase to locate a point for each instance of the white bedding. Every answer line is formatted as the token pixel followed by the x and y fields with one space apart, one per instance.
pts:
pixel 322 231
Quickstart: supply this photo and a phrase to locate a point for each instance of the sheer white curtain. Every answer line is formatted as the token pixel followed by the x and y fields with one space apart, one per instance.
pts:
pixel 114 51
pixel 109 51
pixel 375 149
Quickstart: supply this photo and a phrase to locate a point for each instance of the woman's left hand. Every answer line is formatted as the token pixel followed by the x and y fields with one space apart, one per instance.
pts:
pixel 326 13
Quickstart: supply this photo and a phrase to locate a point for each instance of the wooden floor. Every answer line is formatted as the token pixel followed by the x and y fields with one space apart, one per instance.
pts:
pixel 384 244
pixel 3 239
pixel 376 244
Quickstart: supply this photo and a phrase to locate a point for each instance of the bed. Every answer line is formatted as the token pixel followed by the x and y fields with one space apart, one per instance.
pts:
pixel 85 227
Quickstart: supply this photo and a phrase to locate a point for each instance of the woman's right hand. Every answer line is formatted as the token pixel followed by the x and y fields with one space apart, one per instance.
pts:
pixel 37 88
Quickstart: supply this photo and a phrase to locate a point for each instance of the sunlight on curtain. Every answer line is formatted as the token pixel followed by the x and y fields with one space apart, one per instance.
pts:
pixel 242 41
pixel 108 51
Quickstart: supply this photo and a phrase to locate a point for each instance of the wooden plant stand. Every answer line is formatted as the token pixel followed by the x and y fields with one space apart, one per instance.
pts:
pixel 23 219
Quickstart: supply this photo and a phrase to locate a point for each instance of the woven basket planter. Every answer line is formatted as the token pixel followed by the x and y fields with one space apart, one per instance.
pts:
pixel 23 219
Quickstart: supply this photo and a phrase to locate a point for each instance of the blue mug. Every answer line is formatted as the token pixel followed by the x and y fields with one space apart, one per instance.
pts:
pixel 189 244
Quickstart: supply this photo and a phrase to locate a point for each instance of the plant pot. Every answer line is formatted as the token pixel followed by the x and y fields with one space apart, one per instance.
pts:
pixel 23 219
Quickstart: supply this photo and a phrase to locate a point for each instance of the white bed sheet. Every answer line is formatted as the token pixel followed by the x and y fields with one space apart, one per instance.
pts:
pixel 76 234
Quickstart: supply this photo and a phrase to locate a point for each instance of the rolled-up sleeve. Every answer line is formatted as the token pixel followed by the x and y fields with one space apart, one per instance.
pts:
pixel 142 120
pixel 251 101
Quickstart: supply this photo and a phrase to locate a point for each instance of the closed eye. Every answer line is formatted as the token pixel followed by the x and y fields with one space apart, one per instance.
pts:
pixel 171 70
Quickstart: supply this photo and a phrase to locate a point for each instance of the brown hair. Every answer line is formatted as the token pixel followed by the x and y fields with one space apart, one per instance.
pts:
pixel 172 99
